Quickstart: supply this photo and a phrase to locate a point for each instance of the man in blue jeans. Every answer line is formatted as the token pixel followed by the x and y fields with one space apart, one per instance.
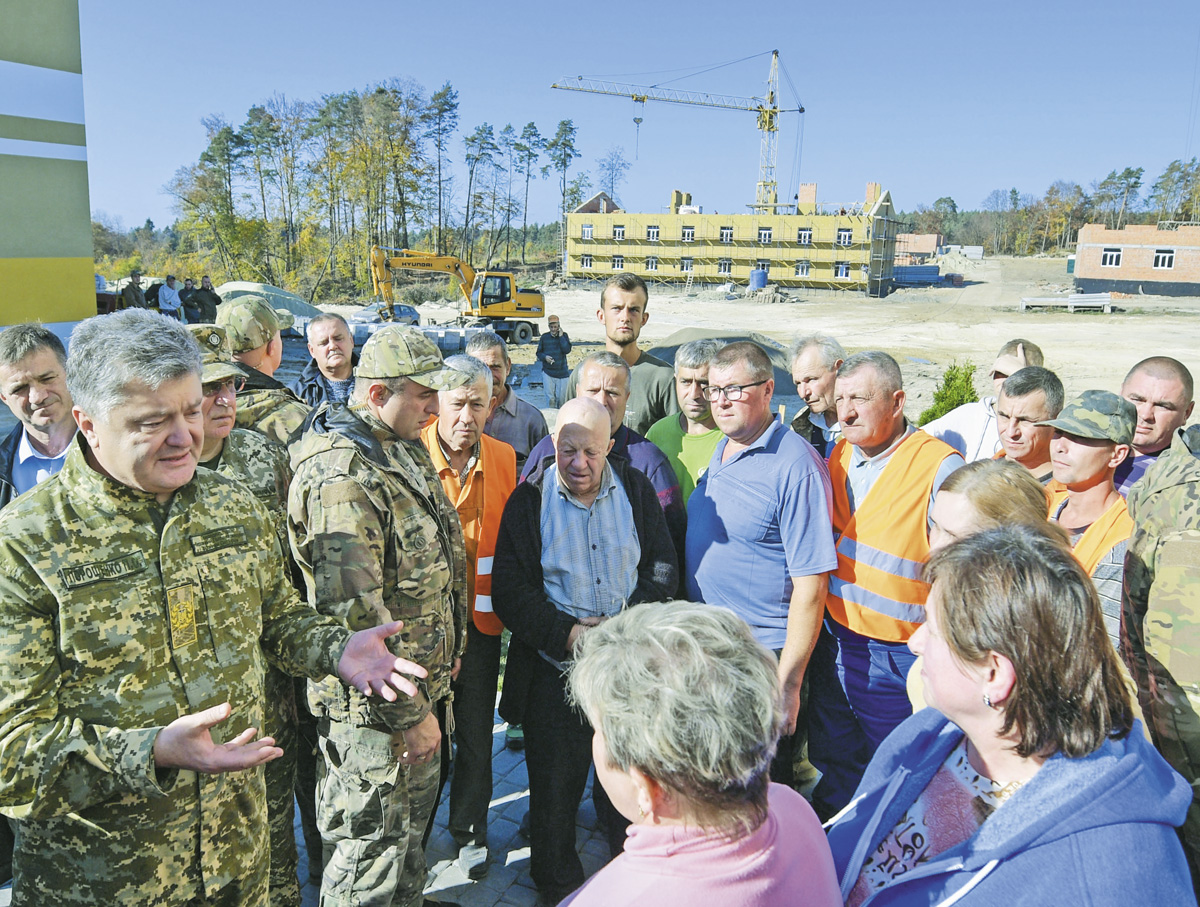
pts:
pixel 552 352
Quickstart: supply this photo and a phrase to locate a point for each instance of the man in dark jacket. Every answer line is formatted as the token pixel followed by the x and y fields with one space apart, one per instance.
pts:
pixel 552 352
pixel 581 538
pixel 329 374
pixel 206 300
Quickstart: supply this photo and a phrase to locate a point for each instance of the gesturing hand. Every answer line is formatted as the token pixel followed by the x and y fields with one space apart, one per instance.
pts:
pixel 187 743
pixel 369 667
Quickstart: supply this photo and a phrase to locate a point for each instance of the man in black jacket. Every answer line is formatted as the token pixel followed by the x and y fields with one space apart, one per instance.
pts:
pixel 581 538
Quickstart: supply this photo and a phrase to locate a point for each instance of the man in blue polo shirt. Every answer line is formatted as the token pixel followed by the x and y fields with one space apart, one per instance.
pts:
pixel 760 534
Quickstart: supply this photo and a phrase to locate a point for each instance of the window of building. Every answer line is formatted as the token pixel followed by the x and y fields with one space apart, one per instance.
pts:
pixel 685 265
pixel 727 234
pixel 586 231
pixel 652 234
pixel 804 236
pixel 585 261
pixel 652 263
pixel 844 235
pixel 618 262
pixel 764 234
pixel 725 266
pixel 689 234
pixel 763 264
pixel 802 268
pixel 841 270
pixel 1110 258
pixel 618 232
pixel 1164 258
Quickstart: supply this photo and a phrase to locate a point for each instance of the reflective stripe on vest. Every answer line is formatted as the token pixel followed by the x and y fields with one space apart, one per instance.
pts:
pixel 877 590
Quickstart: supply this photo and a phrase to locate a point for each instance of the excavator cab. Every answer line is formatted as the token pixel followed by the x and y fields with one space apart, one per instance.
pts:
pixel 492 289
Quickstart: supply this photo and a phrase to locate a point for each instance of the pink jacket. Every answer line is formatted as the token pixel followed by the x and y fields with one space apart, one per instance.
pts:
pixel 784 861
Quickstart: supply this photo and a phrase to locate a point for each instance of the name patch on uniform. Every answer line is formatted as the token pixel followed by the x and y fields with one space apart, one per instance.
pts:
pixel 181 607
pixel 86 574
pixel 217 539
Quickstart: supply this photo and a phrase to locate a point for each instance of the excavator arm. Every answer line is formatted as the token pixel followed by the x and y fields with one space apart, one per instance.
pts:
pixel 382 266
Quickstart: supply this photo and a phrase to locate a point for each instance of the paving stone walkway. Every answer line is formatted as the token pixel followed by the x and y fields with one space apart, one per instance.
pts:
pixel 507 883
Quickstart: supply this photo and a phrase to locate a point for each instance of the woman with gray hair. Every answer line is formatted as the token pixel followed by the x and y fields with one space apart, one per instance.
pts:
pixel 686 711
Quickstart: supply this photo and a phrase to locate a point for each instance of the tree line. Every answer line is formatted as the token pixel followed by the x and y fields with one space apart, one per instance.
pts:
pixel 1010 222
pixel 295 194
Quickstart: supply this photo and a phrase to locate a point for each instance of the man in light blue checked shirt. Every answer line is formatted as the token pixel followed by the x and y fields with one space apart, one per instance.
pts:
pixel 582 537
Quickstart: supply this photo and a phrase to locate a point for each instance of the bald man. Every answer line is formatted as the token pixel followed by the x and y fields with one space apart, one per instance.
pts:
pixel 578 542
pixel 1160 388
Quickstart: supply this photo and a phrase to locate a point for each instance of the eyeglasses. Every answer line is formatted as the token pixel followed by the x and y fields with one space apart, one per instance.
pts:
pixel 234 385
pixel 732 392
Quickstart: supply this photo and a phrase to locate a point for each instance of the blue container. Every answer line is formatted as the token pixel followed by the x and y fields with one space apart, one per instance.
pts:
pixel 758 279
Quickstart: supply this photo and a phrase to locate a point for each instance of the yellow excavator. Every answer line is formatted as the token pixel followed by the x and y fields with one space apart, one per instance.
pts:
pixel 493 299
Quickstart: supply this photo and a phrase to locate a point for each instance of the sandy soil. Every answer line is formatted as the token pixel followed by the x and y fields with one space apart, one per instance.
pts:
pixel 924 329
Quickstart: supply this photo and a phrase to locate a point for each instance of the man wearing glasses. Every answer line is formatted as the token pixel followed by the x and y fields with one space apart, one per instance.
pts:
pixel 759 534
pixel 262 466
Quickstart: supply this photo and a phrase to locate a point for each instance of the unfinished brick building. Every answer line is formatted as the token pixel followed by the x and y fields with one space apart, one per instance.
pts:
pixel 1158 260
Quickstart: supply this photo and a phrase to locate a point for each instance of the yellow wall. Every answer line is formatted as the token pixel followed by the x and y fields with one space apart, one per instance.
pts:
pixel 46 267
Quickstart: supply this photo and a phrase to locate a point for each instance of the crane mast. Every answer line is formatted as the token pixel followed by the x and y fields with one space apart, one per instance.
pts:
pixel 766 109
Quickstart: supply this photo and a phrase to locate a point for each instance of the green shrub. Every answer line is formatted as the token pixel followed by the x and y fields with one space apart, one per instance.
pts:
pixel 957 388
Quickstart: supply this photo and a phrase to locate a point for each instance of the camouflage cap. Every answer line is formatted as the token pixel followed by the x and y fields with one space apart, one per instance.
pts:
pixel 215 359
pixel 251 322
pixel 401 351
pixel 1102 415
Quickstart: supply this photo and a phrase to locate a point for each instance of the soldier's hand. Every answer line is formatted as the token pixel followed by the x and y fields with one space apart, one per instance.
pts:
pixel 187 743
pixel 420 742
pixel 455 668
pixel 368 666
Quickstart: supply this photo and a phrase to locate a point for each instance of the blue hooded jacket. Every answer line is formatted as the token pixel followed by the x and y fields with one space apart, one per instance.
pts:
pixel 1097 830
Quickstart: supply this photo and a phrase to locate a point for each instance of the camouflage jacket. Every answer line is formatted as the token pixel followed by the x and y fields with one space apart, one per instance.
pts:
pixel 1160 620
pixel 118 615
pixel 377 540
pixel 262 466
pixel 268 407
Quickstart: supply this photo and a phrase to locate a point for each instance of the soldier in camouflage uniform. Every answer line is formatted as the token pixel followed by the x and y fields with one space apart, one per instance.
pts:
pixel 262 466
pixel 264 404
pixel 377 540
pixel 135 591
pixel 1160 621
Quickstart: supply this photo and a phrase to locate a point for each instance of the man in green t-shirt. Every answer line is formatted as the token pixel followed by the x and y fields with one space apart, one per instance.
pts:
pixel 689 438
pixel 623 313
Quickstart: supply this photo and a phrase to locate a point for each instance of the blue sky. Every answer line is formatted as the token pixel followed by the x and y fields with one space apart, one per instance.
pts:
pixel 929 99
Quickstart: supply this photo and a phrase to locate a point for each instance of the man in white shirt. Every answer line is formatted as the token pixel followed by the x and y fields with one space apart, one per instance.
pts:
pixel 169 302
pixel 33 385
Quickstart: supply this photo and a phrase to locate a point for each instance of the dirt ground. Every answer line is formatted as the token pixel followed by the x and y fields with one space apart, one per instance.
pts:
pixel 926 330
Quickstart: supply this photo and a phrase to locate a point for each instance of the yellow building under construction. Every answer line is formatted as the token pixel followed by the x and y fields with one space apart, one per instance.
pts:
pixel 843 247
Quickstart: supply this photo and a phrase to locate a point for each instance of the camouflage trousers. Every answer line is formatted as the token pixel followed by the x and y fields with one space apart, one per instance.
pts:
pixel 372 812
pixel 280 723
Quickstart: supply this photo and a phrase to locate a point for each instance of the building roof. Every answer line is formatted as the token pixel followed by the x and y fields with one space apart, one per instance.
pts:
pixel 600 203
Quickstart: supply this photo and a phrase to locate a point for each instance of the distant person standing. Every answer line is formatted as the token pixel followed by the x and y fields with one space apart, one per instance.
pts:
pixel 186 298
pixel 552 352
pixel 514 421
pixel 623 313
pixel 169 302
pixel 207 301
pixel 132 294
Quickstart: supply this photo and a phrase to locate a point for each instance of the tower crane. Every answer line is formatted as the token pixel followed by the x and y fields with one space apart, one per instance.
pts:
pixel 766 108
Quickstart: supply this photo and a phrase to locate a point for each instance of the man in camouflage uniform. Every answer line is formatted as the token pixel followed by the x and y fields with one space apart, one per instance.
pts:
pixel 1160 620
pixel 135 591
pixel 377 540
pixel 262 466
pixel 264 404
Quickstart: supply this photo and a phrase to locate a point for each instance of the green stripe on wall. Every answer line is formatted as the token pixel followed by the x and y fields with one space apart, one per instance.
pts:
pixel 34 130
pixel 42 33
pixel 45 205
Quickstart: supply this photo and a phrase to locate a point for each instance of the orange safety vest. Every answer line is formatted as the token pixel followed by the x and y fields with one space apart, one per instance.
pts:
pixel 877 590
pixel 1113 527
pixel 496 471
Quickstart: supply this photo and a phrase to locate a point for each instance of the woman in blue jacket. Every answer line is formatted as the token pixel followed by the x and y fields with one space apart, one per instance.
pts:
pixel 1028 781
